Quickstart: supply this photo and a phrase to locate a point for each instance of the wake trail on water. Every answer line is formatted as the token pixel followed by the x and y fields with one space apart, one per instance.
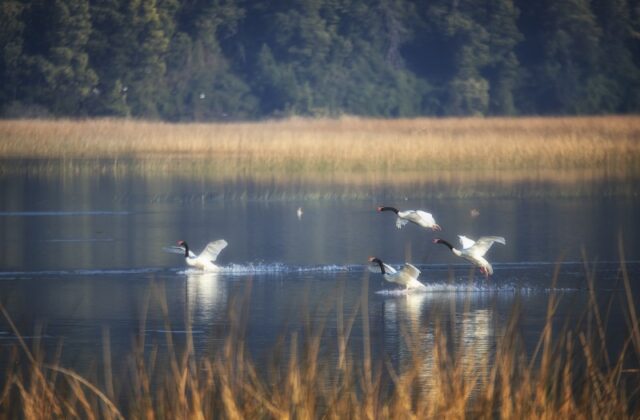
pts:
pixel 271 268
pixel 448 288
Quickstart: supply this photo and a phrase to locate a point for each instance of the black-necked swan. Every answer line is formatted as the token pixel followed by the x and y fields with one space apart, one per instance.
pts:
pixel 207 257
pixel 419 217
pixel 474 251
pixel 407 276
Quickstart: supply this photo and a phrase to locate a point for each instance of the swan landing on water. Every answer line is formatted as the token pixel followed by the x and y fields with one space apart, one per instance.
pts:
pixel 204 261
pixel 407 276
pixel 474 251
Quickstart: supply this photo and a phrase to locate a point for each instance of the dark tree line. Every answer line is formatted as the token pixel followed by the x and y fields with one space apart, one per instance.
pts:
pixel 239 59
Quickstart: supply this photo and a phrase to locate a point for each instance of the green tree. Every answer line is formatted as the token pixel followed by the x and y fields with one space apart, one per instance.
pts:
pixel 203 86
pixel 620 75
pixel 59 75
pixel 569 75
pixel 467 44
pixel 275 84
pixel 328 58
pixel 108 49
pixel 147 46
pixel 504 67
pixel 11 42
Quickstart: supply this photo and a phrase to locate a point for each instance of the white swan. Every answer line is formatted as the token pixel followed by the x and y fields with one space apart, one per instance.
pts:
pixel 419 217
pixel 407 276
pixel 207 257
pixel 474 251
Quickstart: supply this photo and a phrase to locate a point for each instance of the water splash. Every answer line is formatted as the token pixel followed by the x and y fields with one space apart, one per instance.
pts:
pixel 450 288
pixel 269 268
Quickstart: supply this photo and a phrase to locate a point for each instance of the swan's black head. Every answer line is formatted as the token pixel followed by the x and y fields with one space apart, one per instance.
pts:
pixel 387 208
pixel 185 246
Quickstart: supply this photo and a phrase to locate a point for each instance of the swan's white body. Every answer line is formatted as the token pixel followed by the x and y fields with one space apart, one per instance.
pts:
pixel 205 260
pixel 474 251
pixel 407 276
pixel 419 217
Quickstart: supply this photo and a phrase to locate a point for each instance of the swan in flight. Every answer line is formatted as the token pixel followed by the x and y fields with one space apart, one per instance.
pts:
pixel 407 276
pixel 419 217
pixel 474 251
pixel 207 257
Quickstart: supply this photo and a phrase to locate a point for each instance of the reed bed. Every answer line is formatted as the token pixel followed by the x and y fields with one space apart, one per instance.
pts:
pixel 342 145
pixel 220 184
pixel 568 375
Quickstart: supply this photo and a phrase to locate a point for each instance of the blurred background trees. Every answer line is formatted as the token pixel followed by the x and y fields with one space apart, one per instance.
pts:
pixel 215 60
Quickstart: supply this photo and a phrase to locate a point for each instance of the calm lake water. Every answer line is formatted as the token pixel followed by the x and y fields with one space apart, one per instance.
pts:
pixel 82 255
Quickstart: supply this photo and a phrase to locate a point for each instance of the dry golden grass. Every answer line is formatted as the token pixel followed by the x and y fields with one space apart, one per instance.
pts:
pixel 343 145
pixel 567 376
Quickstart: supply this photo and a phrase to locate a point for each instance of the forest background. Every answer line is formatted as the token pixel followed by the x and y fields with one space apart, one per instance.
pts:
pixel 217 60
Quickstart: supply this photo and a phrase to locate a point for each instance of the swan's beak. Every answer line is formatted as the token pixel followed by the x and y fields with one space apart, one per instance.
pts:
pixel 371 259
pixel 435 241
pixel 379 209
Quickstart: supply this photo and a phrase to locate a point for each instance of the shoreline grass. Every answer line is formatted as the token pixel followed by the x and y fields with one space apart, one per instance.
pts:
pixel 349 144
pixel 568 375
pixel 219 182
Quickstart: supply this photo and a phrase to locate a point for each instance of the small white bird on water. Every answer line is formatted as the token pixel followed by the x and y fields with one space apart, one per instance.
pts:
pixel 474 251
pixel 407 276
pixel 419 217
pixel 204 261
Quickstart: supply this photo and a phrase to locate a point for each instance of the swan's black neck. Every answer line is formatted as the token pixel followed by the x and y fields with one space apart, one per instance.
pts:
pixel 186 249
pixel 379 262
pixel 387 208
pixel 443 242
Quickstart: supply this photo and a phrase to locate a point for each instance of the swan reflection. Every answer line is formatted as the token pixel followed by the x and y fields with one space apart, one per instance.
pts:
pixel 413 321
pixel 206 295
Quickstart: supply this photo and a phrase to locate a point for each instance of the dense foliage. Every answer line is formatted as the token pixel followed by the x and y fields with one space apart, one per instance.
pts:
pixel 240 59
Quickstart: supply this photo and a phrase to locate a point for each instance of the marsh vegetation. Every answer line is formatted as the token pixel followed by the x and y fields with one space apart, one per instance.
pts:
pixel 362 153
pixel 313 373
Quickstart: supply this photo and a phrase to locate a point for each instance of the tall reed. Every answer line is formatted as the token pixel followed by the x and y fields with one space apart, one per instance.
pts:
pixel 342 145
pixel 568 375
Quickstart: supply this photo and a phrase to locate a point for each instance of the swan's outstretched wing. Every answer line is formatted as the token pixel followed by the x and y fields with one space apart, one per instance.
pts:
pixel 375 268
pixel 212 250
pixel 466 242
pixel 173 249
pixel 410 270
pixel 483 244
pixel 412 280
pixel 178 250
